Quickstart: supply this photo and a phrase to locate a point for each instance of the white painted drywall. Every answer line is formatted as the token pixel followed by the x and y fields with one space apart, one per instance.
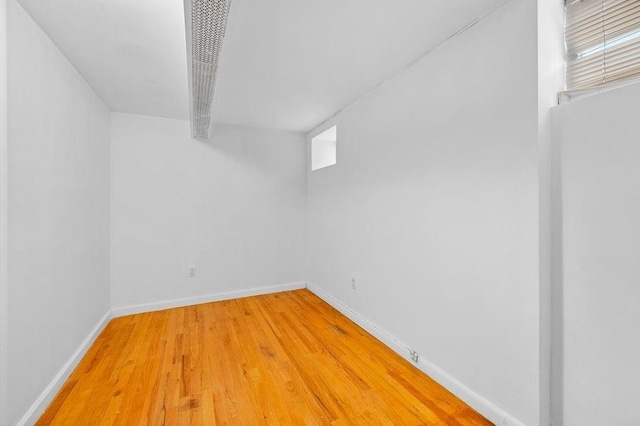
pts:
pixel 433 205
pixel 289 64
pixel 234 206
pixel 4 212
pixel 551 65
pixel 600 180
pixel 285 64
pixel 58 191
pixel 132 53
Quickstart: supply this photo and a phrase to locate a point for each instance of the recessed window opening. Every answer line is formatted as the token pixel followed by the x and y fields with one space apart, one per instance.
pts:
pixel 324 148
pixel 602 39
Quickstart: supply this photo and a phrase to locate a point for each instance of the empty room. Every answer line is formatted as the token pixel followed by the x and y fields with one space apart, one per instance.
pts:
pixel 305 212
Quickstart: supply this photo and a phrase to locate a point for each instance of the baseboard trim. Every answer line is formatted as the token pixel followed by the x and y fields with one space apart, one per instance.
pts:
pixel 475 400
pixel 45 398
pixel 485 407
pixel 215 297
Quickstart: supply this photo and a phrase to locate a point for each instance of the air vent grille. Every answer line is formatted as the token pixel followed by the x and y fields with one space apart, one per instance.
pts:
pixel 208 26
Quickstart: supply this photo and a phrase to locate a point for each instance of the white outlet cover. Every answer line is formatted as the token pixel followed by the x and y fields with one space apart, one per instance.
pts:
pixel 192 271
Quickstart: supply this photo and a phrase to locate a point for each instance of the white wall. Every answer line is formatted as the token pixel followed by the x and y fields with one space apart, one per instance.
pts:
pixel 58 191
pixel 234 206
pixel 551 65
pixel 4 389
pixel 600 180
pixel 433 205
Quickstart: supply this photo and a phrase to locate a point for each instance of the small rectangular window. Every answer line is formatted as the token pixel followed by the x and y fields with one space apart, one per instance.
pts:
pixel 324 148
pixel 602 38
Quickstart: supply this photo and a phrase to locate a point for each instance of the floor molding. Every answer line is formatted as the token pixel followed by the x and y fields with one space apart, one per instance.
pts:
pixel 485 407
pixel 475 400
pixel 215 297
pixel 45 398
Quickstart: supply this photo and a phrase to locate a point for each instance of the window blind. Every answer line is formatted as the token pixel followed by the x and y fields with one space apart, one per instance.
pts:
pixel 603 42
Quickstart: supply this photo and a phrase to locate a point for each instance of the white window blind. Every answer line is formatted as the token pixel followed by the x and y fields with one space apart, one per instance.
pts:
pixel 603 42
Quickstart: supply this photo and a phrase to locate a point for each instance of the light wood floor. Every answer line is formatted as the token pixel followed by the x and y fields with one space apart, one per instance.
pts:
pixel 286 358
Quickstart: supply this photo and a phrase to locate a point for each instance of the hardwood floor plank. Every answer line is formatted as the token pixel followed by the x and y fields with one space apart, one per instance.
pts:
pixel 278 359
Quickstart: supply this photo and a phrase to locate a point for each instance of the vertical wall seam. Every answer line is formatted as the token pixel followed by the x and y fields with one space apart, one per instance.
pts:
pixel 4 212
pixel 110 210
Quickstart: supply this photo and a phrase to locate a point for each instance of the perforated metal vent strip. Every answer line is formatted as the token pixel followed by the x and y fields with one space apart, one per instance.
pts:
pixel 208 26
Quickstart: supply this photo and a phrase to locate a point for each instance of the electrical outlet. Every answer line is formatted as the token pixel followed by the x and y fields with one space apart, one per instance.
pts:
pixel 192 271
pixel 414 356
pixel 354 283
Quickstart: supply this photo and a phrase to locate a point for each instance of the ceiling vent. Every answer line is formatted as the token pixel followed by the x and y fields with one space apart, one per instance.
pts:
pixel 206 23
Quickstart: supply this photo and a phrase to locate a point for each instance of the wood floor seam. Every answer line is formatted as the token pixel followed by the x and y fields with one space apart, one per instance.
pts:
pixel 279 359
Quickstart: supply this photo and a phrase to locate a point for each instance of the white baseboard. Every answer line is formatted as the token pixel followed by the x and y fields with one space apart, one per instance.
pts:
pixel 215 297
pixel 485 407
pixel 45 398
pixel 478 402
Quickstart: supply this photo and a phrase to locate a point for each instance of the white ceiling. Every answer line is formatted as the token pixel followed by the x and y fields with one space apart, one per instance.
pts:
pixel 132 52
pixel 286 64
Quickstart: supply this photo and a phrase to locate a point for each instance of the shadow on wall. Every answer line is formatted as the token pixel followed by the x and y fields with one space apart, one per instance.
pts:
pixel 247 151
